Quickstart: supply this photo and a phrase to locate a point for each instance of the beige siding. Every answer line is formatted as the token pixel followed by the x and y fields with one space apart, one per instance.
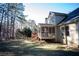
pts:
pixel 62 35
pixel 58 34
pixel 78 31
pixel 73 37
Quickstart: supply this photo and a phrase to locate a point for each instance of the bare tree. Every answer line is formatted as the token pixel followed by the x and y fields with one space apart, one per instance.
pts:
pixel 10 13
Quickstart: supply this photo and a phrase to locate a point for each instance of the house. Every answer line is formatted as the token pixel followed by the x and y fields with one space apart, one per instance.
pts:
pixel 69 27
pixel 55 17
pixel 61 28
pixel 50 30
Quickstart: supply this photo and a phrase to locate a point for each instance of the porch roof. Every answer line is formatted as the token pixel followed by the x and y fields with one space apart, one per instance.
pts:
pixel 45 25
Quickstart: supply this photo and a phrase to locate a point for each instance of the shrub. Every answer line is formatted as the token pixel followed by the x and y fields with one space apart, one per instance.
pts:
pixel 27 32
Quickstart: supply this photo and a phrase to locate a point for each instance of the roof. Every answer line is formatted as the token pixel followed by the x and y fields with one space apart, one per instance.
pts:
pixel 45 25
pixel 71 15
pixel 58 13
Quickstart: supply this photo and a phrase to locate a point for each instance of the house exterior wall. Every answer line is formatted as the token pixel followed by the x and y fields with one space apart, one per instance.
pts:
pixel 55 18
pixel 51 19
pixel 62 35
pixel 58 34
pixel 78 32
pixel 72 39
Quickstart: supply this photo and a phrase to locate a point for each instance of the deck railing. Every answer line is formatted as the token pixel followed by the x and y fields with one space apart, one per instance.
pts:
pixel 46 34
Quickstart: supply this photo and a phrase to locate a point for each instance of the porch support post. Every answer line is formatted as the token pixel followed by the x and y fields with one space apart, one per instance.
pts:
pixel 55 33
pixel 40 32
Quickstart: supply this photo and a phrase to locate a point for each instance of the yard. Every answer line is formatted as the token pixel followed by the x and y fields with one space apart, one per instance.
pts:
pixel 28 48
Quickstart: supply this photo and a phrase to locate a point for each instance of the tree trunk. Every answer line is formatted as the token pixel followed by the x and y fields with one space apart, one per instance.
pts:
pixel 1 25
pixel 7 22
pixel 4 26
pixel 12 25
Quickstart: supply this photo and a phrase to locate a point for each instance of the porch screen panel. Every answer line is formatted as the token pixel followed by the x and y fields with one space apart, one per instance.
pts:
pixel 44 32
pixel 53 30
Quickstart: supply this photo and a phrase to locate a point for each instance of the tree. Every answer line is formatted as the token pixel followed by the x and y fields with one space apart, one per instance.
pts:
pixel 17 11
pixel 2 11
pixel 10 13
pixel 27 32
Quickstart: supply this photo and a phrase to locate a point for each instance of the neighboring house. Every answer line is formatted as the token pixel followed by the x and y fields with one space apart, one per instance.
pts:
pixel 70 28
pixel 50 30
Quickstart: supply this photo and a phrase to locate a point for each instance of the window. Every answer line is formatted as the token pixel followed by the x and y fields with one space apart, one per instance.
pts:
pixel 62 30
pixel 67 30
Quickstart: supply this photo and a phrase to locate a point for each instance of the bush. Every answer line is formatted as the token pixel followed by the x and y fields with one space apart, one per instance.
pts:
pixel 27 32
pixel 22 33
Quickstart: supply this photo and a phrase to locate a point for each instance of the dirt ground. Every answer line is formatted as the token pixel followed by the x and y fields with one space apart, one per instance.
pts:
pixel 28 48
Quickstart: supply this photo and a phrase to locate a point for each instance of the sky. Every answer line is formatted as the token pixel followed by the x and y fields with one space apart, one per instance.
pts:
pixel 39 11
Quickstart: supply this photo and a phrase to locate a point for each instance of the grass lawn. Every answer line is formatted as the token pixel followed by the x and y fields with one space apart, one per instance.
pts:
pixel 28 48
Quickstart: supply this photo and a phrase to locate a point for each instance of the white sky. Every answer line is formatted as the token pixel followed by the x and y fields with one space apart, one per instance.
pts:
pixel 35 13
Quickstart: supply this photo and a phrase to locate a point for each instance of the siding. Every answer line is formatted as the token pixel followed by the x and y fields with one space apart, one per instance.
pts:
pixel 73 37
